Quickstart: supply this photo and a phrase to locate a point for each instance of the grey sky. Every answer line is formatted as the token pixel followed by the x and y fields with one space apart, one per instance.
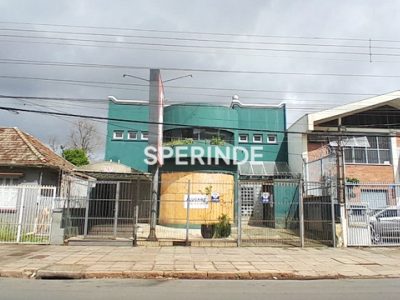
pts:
pixel 362 19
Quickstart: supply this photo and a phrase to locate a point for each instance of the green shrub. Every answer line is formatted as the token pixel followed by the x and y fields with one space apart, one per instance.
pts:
pixel 223 227
pixel 215 140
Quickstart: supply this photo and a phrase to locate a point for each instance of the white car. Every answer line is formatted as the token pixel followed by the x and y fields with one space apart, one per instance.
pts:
pixel 385 225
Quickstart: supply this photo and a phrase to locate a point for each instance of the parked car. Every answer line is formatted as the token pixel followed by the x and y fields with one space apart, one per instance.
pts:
pixel 385 225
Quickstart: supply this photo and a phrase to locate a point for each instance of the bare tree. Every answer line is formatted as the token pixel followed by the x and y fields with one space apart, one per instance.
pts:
pixel 54 144
pixel 84 135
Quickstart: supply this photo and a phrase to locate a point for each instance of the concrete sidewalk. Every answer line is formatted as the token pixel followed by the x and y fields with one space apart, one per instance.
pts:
pixel 34 261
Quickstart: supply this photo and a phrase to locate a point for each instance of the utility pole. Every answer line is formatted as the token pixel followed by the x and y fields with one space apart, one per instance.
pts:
pixel 155 134
pixel 155 130
pixel 340 183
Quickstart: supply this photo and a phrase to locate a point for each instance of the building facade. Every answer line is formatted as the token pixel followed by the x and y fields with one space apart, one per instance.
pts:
pixel 209 140
pixel 367 131
pixel 200 125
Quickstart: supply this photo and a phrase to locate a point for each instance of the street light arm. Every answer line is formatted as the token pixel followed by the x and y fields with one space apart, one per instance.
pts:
pixel 190 75
pixel 137 77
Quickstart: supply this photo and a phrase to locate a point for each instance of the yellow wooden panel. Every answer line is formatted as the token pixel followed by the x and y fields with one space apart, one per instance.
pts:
pixel 174 187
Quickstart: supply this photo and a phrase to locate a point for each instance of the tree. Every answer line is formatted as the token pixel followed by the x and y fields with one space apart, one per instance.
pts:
pixel 84 136
pixel 54 144
pixel 77 157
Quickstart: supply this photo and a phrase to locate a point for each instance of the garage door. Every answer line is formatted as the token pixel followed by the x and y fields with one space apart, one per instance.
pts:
pixel 375 199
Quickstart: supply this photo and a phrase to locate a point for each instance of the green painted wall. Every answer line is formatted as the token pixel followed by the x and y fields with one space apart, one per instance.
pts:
pixel 200 116
pixel 271 121
pixel 128 152
pixel 286 200
pixel 248 120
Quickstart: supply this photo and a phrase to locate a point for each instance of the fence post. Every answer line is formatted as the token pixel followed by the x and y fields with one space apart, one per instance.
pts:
pixel 333 217
pixel 135 213
pixel 301 213
pixel 116 209
pixel 53 205
pixel 85 229
pixel 187 214
pixel 21 210
pixel 239 214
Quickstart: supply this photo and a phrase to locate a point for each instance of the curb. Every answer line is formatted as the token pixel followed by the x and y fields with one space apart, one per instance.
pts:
pixel 189 275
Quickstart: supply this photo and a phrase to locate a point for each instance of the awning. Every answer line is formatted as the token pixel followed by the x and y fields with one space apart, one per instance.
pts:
pixel 263 168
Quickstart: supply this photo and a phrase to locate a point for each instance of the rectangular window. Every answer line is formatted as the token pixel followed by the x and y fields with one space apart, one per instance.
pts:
pixel 132 135
pixel 376 151
pixel 257 138
pixel 145 135
pixel 243 138
pixel 118 135
pixel 272 139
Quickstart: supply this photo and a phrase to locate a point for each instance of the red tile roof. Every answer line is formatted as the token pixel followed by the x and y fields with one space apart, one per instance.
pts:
pixel 18 148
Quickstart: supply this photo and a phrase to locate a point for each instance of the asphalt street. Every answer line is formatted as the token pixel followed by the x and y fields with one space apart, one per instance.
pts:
pixel 11 289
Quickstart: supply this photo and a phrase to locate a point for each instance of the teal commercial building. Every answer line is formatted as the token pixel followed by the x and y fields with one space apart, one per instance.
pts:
pixel 203 125
pixel 234 128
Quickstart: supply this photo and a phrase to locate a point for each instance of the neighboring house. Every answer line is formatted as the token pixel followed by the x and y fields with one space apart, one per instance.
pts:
pixel 209 128
pixel 370 139
pixel 26 160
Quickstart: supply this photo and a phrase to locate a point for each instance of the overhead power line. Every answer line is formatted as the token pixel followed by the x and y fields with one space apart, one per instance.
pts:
pixel 314 51
pixel 253 72
pixel 186 39
pixel 16 109
pixel 208 33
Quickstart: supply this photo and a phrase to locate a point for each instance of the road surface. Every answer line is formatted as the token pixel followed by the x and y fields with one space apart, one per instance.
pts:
pixel 11 289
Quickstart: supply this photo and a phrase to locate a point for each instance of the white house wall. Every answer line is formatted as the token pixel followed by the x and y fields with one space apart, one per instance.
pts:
pixel 297 144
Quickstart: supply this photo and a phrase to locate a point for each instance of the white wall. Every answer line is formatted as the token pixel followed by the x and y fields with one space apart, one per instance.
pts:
pixel 297 144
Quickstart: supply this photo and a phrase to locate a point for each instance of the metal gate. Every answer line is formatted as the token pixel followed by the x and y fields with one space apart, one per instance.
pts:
pixel 373 214
pixel 286 212
pixel 110 209
pixel 269 212
pixel 26 213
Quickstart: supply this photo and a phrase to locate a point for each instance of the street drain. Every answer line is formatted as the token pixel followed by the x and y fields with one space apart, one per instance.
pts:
pixel 181 243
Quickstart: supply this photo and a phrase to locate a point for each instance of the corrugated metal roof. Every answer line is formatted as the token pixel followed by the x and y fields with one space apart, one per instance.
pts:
pixel 263 168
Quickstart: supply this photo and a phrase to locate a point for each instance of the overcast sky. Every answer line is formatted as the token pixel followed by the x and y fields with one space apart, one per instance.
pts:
pixel 336 26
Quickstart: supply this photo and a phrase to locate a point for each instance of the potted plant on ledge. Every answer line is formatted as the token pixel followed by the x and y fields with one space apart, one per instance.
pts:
pixel 223 227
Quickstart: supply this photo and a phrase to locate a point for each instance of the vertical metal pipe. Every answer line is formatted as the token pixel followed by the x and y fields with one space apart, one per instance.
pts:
pixel 301 213
pixel 239 214
pixel 333 220
pixel 116 209
pixel 135 203
pixel 187 214
pixel 21 211
pixel 154 200
pixel 85 230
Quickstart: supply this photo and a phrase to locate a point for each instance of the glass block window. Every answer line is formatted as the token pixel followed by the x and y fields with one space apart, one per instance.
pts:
pixel 247 196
